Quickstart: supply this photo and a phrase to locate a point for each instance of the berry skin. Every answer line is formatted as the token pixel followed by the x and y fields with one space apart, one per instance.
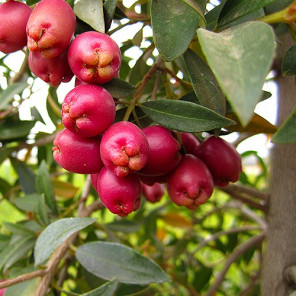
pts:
pixel 191 184
pixel 150 180
pixel 164 151
pixel 124 148
pixel 52 71
pixel 14 16
pixel 190 143
pixel 222 159
pixel 153 193
pixel 94 57
pixel 50 27
pixel 120 195
pixel 77 154
pixel 2 291
pixel 88 110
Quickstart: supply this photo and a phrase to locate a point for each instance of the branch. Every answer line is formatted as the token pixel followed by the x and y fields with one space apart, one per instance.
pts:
pixel 241 249
pixel 249 191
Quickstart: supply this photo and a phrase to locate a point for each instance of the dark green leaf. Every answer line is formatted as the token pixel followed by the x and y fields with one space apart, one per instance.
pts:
pixel 119 88
pixel 91 12
pixel 56 233
pixel 107 289
pixel 28 203
pixel 289 61
pixel 286 133
pixel 184 116
pixel 17 228
pixel 202 278
pixel 109 10
pixel 129 289
pixel 15 129
pixel 44 185
pixel 204 83
pixel 41 210
pixel 10 91
pixel 240 58
pixel 125 226
pixel 174 24
pixel 26 176
pixel 234 9
pixel 213 15
pixel 112 260
pixel 199 7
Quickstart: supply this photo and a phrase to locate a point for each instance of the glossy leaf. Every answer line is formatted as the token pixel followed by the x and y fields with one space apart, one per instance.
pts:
pixel 234 9
pixel 107 289
pixel 174 24
pixel 240 58
pixel 286 133
pixel 44 185
pixel 111 260
pixel 91 12
pixel 184 116
pixel 204 83
pixel 119 88
pixel 7 95
pixel 289 61
pixel 56 233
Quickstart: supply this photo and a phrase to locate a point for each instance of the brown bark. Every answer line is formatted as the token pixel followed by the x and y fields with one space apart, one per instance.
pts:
pixel 280 250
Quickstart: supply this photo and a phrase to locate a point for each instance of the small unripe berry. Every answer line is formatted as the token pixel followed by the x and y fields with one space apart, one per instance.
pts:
pixel 88 110
pixel 153 193
pixel 124 148
pixel 94 57
pixel 50 27
pixel 222 159
pixel 120 195
pixel 191 184
pixel 164 151
pixel 77 154
pixel 14 16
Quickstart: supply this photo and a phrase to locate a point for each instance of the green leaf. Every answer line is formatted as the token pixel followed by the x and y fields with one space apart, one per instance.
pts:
pixel 286 133
pixel 234 9
pixel 184 116
pixel 56 233
pixel 204 83
pixel 23 289
pixel 112 260
pixel 10 91
pixel 41 210
pixel 174 25
pixel 107 289
pixel 44 185
pixel 240 58
pixel 289 61
pixel 10 130
pixel 202 277
pixel 119 88
pixel 196 6
pixel 18 229
pixel 29 202
pixel 26 176
pixel 109 10
pixel 91 12
pixel 125 226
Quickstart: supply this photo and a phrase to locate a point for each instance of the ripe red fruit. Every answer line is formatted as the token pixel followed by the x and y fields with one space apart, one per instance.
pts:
pixel 164 151
pixel 94 57
pixel 94 180
pixel 2 291
pixel 190 143
pixel 50 27
pixel 124 148
pixel 222 159
pixel 77 154
pixel 153 193
pixel 120 195
pixel 191 184
pixel 14 16
pixel 150 180
pixel 52 71
pixel 88 110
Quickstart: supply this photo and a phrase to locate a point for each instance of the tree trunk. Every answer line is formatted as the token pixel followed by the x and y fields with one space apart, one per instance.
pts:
pixel 280 251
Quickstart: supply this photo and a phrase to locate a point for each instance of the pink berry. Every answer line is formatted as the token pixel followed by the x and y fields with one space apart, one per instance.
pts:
pixel 222 159
pixel 94 57
pixel 190 143
pixel 77 154
pixel 191 184
pixel 53 71
pixel 124 148
pixel 14 16
pixel 120 195
pixel 164 151
pixel 2 291
pixel 94 180
pixel 51 27
pixel 88 110
pixel 153 193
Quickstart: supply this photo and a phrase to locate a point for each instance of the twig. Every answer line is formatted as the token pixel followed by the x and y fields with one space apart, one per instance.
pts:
pixel 249 190
pixel 241 249
pixel 22 278
pixel 241 138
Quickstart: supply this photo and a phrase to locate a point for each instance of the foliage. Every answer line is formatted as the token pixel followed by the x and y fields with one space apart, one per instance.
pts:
pixel 201 70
